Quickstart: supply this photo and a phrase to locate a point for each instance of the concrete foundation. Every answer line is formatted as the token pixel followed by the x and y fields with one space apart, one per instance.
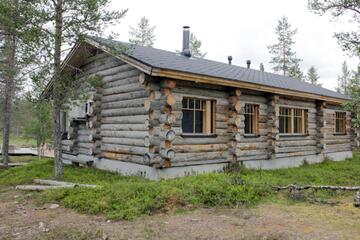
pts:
pixel 127 169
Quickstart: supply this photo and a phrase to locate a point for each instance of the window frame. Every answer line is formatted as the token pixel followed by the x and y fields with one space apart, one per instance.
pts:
pixel 254 116
pixel 336 113
pixel 304 121
pixel 208 116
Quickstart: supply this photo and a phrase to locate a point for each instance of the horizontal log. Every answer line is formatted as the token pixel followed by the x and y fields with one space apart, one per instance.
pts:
pixel 317 187
pixel 123 127
pixel 60 183
pixel 124 141
pixel 124 157
pixel 122 89
pixel 120 74
pixel 125 149
pixel 202 140
pixel 123 112
pixel 125 119
pixel 125 134
pixel 200 148
pixel 138 102
pixel 252 146
pixel 254 157
pixel 151 158
pixel 120 81
pixel 183 157
pixel 245 153
pixel 67 142
pixel 124 96
pixel 294 149
pixel 296 143
pixel 295 154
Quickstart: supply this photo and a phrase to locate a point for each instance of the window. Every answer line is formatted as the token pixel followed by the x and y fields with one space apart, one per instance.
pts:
pixel 340 122
pixel 198 116
pixel 292 120
pixel 251 119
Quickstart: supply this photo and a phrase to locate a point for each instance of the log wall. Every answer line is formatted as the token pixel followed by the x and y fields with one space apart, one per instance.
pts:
pixel 114 126
pixel 333 142
pixel 301 145
pixel 136 118
pixel 191 150
pixel 254 147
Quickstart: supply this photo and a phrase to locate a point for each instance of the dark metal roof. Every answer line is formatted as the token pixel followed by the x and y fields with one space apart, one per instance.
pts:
pixel 162 59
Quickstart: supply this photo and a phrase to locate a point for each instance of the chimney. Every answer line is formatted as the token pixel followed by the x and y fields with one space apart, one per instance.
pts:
pixel 248 63
pixel 230 59
pixel 186 42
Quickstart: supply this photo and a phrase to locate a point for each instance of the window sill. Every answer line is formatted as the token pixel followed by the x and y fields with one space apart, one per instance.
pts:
pixel 339 134
pixel 293 135
pixel 198 135
pixel 251 135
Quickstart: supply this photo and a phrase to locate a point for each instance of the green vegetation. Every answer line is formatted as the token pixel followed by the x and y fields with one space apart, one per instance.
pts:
pixel 20 141
pixel 128 197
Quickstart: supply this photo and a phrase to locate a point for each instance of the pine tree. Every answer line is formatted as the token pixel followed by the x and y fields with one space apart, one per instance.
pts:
pixel 295 71
pixel 63 24
pixel 143 34
pixel 312 76
pixel 283 56
pixel 17 36
pixel 195 47
pixel 343 80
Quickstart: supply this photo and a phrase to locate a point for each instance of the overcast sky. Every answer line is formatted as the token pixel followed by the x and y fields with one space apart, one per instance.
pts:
pixel 243 29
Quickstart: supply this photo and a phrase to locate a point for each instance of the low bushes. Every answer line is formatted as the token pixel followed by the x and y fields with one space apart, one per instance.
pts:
pixel 128 197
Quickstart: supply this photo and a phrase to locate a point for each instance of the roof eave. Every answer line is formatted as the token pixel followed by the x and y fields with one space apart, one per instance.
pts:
pixel 251 86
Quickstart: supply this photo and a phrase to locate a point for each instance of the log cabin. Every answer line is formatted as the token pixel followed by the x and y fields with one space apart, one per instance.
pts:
pixel 162 114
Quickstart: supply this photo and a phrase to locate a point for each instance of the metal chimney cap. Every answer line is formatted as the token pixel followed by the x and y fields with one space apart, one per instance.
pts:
pixel 186 27
pixel 229 59
pixel 248 62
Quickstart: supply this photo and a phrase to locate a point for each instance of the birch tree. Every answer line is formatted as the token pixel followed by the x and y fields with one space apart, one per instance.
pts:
pixel 283 56
pixel 143 33
pixel 64 23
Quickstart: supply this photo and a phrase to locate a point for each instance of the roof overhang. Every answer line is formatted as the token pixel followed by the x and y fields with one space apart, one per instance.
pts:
pixel 75 54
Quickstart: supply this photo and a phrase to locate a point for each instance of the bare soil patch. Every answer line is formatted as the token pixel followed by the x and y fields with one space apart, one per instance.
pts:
pixel 22 218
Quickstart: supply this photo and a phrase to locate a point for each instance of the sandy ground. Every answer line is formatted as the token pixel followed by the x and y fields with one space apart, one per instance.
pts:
pixel 21 218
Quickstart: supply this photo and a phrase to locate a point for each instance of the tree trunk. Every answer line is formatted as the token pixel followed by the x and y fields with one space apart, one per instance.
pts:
pixel 9 77
pixel 57 90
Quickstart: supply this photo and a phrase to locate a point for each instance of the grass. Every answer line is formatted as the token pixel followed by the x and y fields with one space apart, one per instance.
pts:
pixel 20 141
pixel 129 197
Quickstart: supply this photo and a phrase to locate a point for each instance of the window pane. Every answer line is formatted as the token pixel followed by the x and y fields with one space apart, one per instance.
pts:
pixel 282 124
pixel 188 121
pixel 191 103
pixel 198 104
pixel 185 103
pixel 297 125
pixel 198 122
pixel 247 124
